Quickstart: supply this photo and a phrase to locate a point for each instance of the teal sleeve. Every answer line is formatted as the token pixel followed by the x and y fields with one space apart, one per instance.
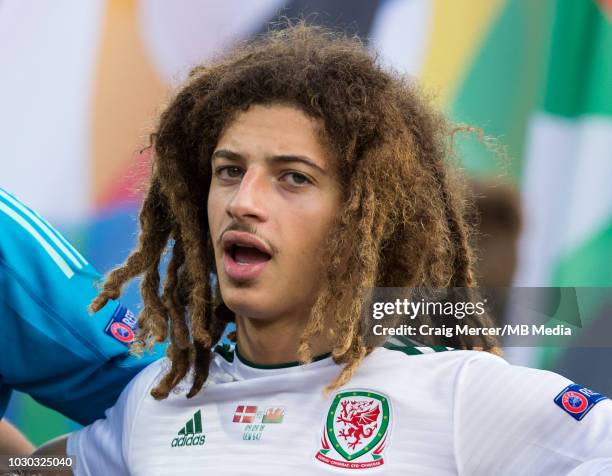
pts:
pixel 53 349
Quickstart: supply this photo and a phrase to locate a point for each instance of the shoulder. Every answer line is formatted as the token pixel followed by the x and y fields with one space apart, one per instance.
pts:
pixel 106 442
pixel 435 371
pixel 412 354
pixel 477 380
pixel 530 395
pixel 492 375
pixel 509 416
pixel 127 407
pixel 141 385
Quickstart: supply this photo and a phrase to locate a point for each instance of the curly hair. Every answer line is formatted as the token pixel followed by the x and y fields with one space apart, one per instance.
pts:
pixel 401 223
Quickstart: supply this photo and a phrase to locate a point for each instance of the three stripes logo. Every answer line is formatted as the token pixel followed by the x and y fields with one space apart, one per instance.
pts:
pixel 64 256
pixel 191 433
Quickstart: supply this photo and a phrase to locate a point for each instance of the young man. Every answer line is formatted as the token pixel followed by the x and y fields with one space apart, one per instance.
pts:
pixel 53 350
pixel 300 173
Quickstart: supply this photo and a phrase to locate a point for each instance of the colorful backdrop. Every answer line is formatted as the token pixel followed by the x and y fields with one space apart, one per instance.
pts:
pixel 82 83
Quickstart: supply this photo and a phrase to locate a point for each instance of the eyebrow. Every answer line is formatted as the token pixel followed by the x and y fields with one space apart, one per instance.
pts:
pixel 286 158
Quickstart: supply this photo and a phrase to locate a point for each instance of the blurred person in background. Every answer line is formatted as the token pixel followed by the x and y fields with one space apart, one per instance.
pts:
pixel 53 350
pixel 497 221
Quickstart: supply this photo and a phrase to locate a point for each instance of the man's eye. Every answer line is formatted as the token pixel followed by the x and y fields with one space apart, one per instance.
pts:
pixel 229 172
pixel 297 179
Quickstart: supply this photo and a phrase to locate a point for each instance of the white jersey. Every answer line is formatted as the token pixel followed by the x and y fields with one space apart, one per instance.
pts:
pixel 428 413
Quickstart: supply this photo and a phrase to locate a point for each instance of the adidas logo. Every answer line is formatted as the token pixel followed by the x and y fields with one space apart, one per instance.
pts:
pixel 191 433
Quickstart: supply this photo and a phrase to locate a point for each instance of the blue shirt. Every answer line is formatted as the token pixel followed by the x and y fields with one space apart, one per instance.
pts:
pixel 52 348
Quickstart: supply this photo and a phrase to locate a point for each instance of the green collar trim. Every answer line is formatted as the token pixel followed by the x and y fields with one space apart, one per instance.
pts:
pixel 225 351
pixel 275 366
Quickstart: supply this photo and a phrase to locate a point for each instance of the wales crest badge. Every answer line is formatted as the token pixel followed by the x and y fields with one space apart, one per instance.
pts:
pixel 356 430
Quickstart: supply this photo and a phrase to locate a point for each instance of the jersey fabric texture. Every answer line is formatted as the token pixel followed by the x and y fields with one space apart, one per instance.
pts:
pixel 434 413
pixel 53 349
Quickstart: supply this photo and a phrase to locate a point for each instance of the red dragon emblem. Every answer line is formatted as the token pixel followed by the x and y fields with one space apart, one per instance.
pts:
pixel 355 431
pixel 359 419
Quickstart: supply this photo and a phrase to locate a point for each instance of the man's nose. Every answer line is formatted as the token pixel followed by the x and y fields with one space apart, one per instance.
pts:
pixel 248 203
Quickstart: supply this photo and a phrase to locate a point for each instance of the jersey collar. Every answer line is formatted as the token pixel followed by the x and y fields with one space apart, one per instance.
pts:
pixel 245 369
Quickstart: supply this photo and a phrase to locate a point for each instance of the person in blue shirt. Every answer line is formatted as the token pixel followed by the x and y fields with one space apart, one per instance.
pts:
pixel 53 348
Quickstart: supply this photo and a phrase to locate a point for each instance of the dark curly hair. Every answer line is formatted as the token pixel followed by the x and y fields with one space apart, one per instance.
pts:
pixel 402 219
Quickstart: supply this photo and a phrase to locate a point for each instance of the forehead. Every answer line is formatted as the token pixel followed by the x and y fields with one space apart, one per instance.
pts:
pixel 275 130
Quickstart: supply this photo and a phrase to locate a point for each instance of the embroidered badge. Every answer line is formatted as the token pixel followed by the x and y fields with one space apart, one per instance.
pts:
pixel 577 400
pixel 122 325
pixel 356 430
pixel 257 420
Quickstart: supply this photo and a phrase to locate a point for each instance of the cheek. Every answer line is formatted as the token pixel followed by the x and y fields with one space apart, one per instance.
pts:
pixel 314 224
pixel 214 210
pixel 329 209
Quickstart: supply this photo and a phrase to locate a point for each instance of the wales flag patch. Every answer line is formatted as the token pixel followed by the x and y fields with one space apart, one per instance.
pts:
pixel 356 430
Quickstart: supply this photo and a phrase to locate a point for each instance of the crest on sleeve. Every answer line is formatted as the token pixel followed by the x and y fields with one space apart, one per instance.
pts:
pixel 122 325
pixel 577 400
pixel 356 430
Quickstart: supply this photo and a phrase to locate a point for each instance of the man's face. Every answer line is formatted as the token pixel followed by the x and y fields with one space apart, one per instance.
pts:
pixel 272 200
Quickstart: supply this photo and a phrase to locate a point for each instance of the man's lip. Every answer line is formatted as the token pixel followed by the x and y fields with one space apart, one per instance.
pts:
pixel 242 272
pixel 242 238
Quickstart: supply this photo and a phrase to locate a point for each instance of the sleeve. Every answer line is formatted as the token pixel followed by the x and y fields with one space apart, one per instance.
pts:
pixel 516 420
pixel 81 362
pixel 103 447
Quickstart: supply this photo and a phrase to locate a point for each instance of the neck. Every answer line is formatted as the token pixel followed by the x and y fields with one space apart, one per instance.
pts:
pixel 273 342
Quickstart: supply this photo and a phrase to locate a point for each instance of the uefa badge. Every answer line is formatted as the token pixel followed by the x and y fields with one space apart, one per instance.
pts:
pixel 356 430
pixel 122 325
pixel 577 401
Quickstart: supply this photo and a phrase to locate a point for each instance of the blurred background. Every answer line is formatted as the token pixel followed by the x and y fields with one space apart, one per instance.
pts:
pixel 82 83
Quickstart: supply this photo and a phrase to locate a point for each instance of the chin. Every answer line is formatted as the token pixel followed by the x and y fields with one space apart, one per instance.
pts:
pixel 248 303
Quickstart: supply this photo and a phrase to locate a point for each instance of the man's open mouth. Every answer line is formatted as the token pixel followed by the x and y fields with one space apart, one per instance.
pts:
pixel 248 255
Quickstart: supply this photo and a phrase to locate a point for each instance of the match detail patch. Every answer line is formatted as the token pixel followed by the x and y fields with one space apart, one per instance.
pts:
pixel 577 401
pixel 122 325
pixel 257 420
